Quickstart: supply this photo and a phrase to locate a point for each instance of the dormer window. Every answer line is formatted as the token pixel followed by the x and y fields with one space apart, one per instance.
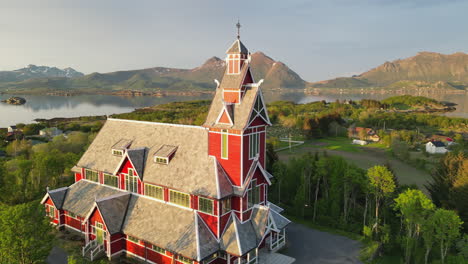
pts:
pixel 120 147
pixel 117 152
pixel 164 154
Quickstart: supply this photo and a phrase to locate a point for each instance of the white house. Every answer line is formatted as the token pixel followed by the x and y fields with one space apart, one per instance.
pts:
pixel 434 147
pixel 50 132
pixel 12 129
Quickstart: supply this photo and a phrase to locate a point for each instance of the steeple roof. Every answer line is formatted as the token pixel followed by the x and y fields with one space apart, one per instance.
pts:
pixel 237 47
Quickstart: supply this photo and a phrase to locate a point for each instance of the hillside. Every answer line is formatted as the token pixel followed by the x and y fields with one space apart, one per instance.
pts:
pixel 426 69
pixel 275 73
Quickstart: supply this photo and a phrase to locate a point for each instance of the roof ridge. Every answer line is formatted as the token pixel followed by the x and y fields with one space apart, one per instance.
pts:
pixel 154 123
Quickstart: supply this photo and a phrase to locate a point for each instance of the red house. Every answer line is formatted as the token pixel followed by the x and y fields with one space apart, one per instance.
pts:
pixel 169 193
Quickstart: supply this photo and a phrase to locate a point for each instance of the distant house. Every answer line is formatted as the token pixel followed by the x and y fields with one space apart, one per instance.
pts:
pixel 50 132
pixel 12 129
pixel 371 135
pixel 359 142
pixel 434 147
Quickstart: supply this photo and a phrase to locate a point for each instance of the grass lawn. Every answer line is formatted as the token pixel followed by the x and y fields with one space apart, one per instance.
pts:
pixel 362 156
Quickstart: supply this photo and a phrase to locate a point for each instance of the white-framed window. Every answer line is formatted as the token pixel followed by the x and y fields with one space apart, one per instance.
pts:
pixel 161 160
pixel 184 259
pixel 50 211
pixel 253 193
pixel 133 239
pixel 254 145
pixel 111 180
pixel 72 215
pixel 92 175
pixel 117 152
pixel 205 205
pixel 131 181
pixel 226 205
pixel 179 198
pixel 158 249
pixel 224 144
pixel 154 191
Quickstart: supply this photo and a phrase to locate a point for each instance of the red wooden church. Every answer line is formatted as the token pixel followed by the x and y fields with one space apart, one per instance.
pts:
pixel 169 193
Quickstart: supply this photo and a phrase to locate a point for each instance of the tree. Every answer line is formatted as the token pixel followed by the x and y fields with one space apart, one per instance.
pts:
pixel 381 181
pixel 447 229
pixel 27 236
pixel 413 207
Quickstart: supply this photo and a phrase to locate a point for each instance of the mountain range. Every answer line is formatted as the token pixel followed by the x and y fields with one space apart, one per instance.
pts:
pixel 32 71
pixel 426 69
pixel 275 73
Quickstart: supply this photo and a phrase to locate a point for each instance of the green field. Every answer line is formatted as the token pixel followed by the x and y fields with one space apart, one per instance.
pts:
pixel 363 156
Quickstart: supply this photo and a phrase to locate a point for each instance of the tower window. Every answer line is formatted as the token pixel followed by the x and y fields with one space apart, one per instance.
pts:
pixel 224 144
pixel 205 205
pixel 254 142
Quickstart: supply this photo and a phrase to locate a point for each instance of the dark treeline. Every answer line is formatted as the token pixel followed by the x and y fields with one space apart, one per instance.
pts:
pixel 401 220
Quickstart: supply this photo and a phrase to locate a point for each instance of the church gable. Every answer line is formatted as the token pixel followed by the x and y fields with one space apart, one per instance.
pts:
pixel 259 111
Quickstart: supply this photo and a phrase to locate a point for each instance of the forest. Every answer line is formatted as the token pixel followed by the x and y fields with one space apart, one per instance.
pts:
pixel 399 223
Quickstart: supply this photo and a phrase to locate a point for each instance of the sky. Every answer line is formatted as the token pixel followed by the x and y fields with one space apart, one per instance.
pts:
pixel 319 39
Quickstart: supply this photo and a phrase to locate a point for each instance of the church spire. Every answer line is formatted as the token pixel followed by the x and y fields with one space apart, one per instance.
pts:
pixel 238 25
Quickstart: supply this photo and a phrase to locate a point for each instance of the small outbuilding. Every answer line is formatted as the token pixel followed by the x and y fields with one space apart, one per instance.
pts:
pixel 436 147
pixel 50 132
pixel 12 129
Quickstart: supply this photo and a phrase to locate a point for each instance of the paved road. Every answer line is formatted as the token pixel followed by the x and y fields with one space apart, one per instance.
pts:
pixel 57 256
pixel 311 246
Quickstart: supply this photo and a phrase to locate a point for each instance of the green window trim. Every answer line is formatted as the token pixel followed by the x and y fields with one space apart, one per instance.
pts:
pixel 111 180
pixel 117 152
pixel 158 249
pixel 51 211
pixel 226 205
pixel 184 259
pixel 254 142
pixel 253 194
pixel 92 175
pixel 72 215
pixel 224 144
pixel 133 239
pixel 154 191
pixel 179 198
pixel 205 205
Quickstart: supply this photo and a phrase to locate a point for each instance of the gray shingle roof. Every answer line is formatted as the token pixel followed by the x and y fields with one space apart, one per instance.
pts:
pixel 122 144
pixel 190 170
pixel 280 221
pixel 238 238
pixel 165 151
pixel 259 220
pixel 81 196
pixel 241 112
pixel 438 143
pixel 58 196
pixel 274 207
pixel 113 209
pixel 237 47
pixel 169 227
pixel 137 157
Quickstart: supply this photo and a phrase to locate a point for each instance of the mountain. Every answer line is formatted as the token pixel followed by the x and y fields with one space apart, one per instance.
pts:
pixel 32 71
pixel 426 69
pixel 275 73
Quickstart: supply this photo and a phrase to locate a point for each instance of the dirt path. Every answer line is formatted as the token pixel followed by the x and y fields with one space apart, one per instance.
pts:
pixel 369 157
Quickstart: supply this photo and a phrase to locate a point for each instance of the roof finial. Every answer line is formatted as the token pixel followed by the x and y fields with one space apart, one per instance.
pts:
pixel 238 25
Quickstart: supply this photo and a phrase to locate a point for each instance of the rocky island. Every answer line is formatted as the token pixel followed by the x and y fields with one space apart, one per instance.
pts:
pixel 15 100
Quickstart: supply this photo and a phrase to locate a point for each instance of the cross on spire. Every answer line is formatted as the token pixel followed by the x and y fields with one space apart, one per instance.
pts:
pixel 238 25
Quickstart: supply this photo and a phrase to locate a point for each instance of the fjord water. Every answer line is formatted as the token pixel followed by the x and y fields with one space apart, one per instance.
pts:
pixel 49 106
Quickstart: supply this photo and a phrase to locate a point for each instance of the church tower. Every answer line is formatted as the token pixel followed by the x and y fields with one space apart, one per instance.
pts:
pixel 237 122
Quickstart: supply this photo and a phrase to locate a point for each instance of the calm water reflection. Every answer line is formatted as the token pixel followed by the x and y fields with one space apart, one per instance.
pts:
pixel 45 106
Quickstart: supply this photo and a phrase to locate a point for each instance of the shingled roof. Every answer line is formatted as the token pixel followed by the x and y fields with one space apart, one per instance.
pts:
pixel 175 229
pixel 113 209
pixel 137 157
pixel 237 47
pixel 241 111
pixel 57 196
pixel 81 196
pixel 191 170
pixel 238 238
